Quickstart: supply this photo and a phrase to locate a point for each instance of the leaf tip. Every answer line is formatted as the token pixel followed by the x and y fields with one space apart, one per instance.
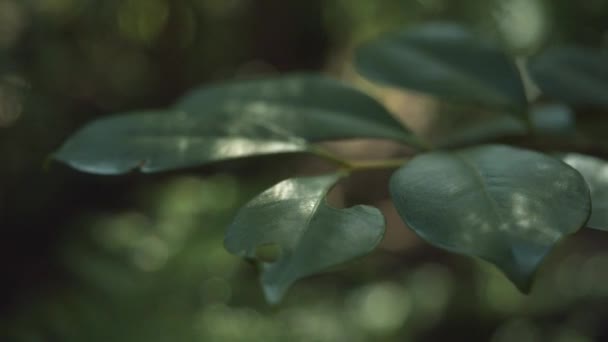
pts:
pixel 525 263
pixel 274 293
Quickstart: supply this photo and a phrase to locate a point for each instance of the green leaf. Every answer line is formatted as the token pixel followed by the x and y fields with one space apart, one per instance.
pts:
pixel 595 172
pixel 574 75
pixel 164 140
pixel 506 205
pixel 232 120
pixel 294 218
pixel 460 127
pixel 447 61
pixel 312 107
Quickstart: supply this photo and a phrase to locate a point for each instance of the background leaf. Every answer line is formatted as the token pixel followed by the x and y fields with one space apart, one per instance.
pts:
pixel 575 75
pixel 463 126
pixel 231 120
pixel 508 206
pixel 309 235
pixel 595 172
pixel 447 61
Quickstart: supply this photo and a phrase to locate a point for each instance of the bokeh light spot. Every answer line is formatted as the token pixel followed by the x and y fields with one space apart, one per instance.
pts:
pixel 381 308
pixel 142 20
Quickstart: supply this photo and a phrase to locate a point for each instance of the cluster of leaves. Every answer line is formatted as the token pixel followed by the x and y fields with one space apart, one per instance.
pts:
pixel 505 204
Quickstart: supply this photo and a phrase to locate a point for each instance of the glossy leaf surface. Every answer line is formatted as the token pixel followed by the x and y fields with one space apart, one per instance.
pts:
pixel 505 205
pixel 312 107
pixel 165 140
pixel 445 60
pixel 233 120
pixel 574 75
pixel 595 172
pixel 310 236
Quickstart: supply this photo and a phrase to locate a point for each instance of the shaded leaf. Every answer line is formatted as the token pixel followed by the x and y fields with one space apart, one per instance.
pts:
pixel 447 61
pixel 233 120
pixel 310 236
pixel 574 75
pixel 463 127
pixel 595 172
pixel 505 205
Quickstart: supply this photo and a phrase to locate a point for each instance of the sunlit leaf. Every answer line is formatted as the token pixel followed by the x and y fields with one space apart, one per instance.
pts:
pixel 505 205
pixel 233 120
pixel 307 235
pixel 445 60
pixel 164 140
pixel 575 75
pixel 309 106
pixel 595 172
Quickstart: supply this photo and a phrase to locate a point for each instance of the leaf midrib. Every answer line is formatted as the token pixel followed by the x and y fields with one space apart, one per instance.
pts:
pixel 318 200
pixel 479 180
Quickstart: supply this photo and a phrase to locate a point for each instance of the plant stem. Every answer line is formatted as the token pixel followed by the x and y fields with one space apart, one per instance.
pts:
pixel 360 165
pixel 421 143
pixel 325 154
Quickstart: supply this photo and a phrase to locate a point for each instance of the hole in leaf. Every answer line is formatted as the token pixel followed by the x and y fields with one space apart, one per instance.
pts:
pixel 268 252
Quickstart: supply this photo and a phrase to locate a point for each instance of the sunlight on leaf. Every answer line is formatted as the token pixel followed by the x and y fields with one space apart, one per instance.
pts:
pixel 232 120
pixel 312 107
pixel 505 205
pixel 310 236
pixel 158 141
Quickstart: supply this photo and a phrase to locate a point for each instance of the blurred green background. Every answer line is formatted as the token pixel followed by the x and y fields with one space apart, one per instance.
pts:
pixel 140 258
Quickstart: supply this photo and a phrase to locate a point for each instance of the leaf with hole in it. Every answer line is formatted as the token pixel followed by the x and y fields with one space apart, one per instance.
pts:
pixel 595 172
pixel 293 220
pixel 574 75
pixel 232 120
pixel 506 205
pixel 447 61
